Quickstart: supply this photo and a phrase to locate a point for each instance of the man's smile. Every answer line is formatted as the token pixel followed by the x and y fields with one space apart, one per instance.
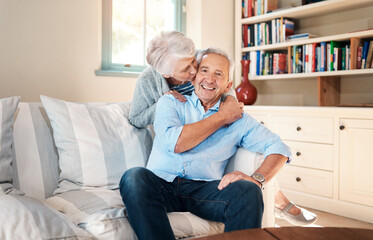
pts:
pixel 208 88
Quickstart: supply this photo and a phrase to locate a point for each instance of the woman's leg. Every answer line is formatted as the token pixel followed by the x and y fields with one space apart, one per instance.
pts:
pixel 289 211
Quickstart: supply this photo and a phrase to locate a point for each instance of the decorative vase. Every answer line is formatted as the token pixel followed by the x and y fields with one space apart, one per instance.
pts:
pixel 246 92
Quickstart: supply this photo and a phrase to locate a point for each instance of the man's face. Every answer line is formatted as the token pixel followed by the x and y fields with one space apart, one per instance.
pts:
pixel 185 69
pixel 212 79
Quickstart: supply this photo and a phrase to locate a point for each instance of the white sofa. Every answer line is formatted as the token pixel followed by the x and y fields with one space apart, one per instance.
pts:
pixel 87 212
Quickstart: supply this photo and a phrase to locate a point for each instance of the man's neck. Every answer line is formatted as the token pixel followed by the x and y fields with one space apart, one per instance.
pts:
pixel 208 105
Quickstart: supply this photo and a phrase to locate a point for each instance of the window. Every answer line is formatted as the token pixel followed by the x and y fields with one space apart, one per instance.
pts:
pixel 129 25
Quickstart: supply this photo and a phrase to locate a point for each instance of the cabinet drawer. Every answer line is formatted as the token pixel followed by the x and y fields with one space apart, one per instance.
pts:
pixel 262 118
pixel 307 129
pixel 306 180
pixel 312 155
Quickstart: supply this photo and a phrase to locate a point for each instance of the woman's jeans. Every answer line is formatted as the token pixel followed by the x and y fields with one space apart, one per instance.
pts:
pixel 148 198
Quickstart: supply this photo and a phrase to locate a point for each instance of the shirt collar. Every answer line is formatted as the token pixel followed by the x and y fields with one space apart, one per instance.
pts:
pixel 196 102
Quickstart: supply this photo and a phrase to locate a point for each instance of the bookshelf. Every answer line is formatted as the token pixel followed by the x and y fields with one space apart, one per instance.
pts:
pixel 328 81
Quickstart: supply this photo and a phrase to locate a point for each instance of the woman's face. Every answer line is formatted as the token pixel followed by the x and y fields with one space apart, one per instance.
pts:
pixel 185 70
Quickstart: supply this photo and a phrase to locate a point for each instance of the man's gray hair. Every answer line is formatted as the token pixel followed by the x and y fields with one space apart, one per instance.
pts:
pixel 220 52
pixel 168 47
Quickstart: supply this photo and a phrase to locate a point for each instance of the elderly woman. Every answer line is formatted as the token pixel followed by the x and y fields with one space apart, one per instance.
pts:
pixel 171 57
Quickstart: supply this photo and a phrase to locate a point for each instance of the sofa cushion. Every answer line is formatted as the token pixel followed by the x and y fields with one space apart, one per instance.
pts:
pixel 8 107
pixel 35 161
pixel 23 217
pixel 95 144
pixel 101 213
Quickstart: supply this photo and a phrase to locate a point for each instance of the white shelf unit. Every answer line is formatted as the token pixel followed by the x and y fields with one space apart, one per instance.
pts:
pixel 329 81
pixel 315 9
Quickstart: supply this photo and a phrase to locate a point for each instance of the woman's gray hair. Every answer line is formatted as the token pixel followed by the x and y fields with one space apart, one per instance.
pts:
pixel 220 52
pixel 166 48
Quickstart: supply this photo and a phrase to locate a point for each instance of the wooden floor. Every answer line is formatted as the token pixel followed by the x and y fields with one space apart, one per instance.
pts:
pixel 329 220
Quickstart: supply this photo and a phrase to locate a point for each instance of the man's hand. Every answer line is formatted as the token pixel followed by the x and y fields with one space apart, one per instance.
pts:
pixel 231 110
pixel 235 176
pixel 177 95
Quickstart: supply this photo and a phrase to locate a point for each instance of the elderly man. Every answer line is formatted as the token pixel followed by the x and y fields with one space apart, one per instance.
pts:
pixel 187 162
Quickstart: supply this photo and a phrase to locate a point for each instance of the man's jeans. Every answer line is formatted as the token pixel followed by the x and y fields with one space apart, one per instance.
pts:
pixel 148 198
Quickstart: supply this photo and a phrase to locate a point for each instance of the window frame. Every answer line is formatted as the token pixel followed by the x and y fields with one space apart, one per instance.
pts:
pixel 111 69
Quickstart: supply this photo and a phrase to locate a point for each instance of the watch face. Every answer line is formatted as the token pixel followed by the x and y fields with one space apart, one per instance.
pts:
pixel 258 177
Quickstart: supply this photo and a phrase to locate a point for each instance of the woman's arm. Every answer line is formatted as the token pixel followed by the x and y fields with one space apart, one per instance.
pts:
pixel 150 87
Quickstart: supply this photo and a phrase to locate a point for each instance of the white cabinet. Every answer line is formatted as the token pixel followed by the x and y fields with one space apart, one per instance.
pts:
pixel 332 165
pixel 356 161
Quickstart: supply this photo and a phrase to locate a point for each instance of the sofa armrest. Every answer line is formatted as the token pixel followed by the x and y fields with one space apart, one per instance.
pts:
pixel 248 162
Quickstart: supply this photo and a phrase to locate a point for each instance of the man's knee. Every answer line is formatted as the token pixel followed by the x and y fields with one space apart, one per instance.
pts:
pixel 249 193
pixel 133 179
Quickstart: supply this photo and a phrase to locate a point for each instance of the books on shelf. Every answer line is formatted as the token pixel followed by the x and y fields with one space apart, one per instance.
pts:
pixel 364 55
pixel 309 58
pixel 257 7
pixel 267 63
pixel 320 57
pixel 264 33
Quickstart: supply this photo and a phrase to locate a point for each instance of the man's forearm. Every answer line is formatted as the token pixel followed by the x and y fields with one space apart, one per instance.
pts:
pixel 193 134
pixel 271 166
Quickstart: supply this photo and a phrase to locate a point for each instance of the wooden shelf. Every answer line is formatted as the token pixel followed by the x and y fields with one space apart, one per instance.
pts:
pixel 314 9
pixel 312 75
pixel 285 45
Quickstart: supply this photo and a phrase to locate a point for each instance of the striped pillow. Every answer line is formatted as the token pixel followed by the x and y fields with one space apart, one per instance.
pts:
pixel 35 162
pixel 8 107
pixel 95 144
pixel 23 217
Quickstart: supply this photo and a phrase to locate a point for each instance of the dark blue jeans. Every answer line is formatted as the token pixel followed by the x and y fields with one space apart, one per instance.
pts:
pixel 148 198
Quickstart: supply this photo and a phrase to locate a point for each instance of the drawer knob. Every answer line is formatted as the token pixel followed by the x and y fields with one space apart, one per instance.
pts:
pixel 298 154
pixel 298 179
pixel 299 128
pixel 342 127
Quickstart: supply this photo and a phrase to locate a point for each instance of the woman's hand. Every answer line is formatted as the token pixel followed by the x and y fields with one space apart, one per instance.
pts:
pixel 176 95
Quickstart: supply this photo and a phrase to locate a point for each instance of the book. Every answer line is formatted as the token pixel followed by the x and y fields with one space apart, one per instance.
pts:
pixel 270 5
pixel 258 63
pixel 343 67
pixel 323 57
pixel 313 57
pixel 288 28
pixel 359 53
pixel 364 54
pixel 333 44
pixel 318 58
pixel 328 56
pixel 300 36
pixel 370 55
pixel 245 36
pixel 253 63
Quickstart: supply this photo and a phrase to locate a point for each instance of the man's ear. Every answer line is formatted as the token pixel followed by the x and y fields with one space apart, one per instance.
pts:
pixel 229 85
pixel 166 75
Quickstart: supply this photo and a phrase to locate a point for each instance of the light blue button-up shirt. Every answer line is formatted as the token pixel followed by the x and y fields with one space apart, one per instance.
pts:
pixel 207 160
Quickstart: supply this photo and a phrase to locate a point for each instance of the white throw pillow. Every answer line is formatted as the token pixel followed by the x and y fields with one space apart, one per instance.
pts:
pixel 96 145
pixel 27 218
pixel 8 108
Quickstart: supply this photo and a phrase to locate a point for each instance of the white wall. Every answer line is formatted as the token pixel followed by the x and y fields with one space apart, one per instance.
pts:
pixel 53 47
pixel 210 23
